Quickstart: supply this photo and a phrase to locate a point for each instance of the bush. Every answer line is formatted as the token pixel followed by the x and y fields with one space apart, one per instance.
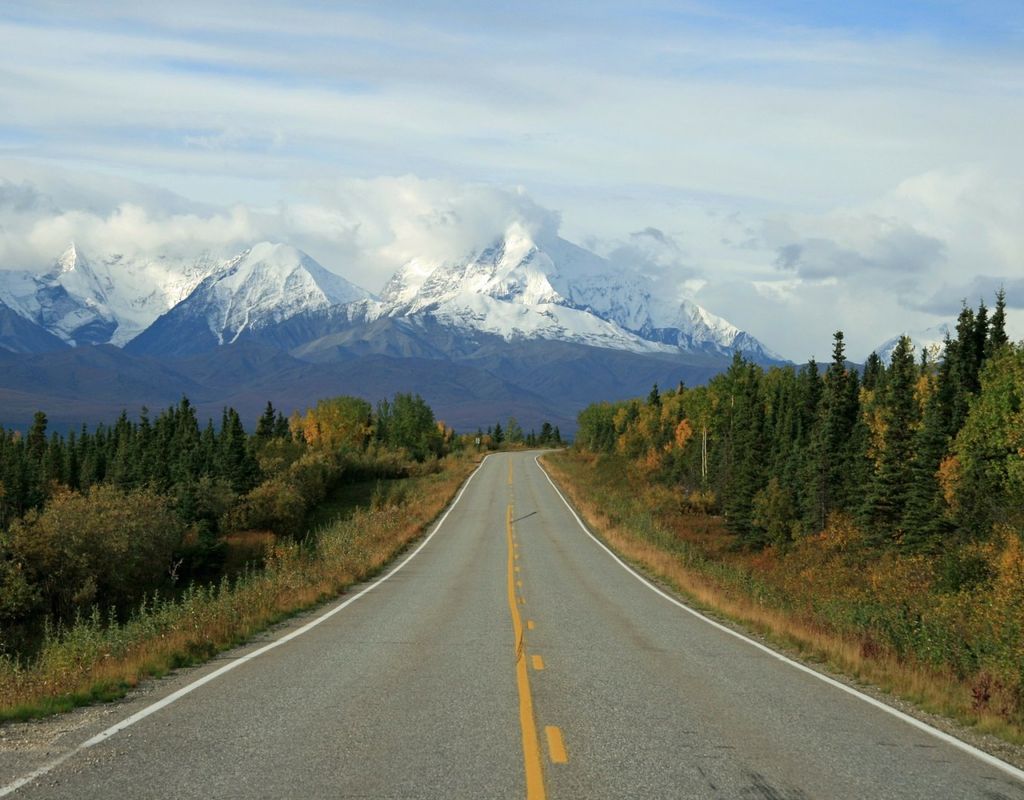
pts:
pixel 276 505
pixel 108 547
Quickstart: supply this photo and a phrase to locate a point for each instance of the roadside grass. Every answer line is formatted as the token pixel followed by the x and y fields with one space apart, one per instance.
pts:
pixel 695 556
pixel 100 659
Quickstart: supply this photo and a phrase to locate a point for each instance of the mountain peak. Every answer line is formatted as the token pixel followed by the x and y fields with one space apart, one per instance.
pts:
pixel 68 260
pixel 931 339
pixel 266 284
pixel 524 285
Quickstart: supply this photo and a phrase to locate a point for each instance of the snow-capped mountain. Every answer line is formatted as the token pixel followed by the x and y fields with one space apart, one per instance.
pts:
pixel 98 300
pixel 931 339
pixel 523 287
pixel 264 285
pixel 526 287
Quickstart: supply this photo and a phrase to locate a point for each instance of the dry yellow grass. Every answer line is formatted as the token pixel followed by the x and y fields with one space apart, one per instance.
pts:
pixel 934 690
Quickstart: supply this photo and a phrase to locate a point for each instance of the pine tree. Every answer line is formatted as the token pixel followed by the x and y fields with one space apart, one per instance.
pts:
pixel 267 423
pixel 744 476
pixel 236 464
pixel 654 398
pixel 873 372
pixel 890 483
pixel 964 365
pixel 829 453
pixel 924 520
pixel 997 326
pixel 980 338
pixel 37 436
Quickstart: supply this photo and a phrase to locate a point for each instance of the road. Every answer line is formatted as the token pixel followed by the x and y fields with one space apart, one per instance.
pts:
pixel 510 656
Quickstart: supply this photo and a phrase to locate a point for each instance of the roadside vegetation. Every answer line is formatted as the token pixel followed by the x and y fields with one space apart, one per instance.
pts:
pixel 131 549
pixel 872 520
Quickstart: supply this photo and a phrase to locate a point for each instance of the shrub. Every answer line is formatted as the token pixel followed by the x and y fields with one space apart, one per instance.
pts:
pixel 108 547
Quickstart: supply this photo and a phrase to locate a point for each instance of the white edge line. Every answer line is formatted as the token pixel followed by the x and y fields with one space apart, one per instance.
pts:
pixel 103 736
pixel 981 755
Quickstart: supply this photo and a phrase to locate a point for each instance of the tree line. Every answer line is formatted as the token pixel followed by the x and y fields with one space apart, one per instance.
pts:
pixel 104 516
pixel 918 452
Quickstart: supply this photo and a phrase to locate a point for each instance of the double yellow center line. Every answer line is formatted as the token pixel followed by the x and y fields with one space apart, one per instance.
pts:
pixel 527 723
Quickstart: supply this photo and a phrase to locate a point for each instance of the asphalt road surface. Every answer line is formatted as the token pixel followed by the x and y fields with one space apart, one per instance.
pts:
pixel 510 656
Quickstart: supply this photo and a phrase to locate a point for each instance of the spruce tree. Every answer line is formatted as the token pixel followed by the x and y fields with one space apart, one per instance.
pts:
pixel 830 443
pixel 267 423
pixel 964 366
pixel 37 436
pixel 924 520
pixel 885 504
pixel 873 371
pixel 997 325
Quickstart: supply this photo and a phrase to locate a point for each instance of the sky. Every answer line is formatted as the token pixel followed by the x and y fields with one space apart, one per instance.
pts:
pixel 797 167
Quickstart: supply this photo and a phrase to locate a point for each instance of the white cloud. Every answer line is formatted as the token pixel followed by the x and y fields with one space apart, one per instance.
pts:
pixel 900 261
pixel 364 229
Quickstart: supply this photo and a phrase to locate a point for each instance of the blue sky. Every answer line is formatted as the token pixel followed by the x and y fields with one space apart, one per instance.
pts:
pixel 838 164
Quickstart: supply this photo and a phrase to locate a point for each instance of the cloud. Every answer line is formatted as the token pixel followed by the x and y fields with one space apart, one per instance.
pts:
pixel 654 254
pixel 948 299
pixel 863 244
pixel 904 260
pixel 364 229
pixel 45 210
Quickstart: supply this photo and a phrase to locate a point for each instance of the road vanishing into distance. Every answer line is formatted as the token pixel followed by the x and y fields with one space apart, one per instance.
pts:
pixel 509 656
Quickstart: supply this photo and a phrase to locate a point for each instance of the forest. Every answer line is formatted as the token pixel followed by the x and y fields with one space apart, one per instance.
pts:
pixel 883 504
pixel 104 517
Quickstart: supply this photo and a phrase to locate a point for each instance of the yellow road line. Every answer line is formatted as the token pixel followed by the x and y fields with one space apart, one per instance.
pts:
pixel 527 724
pixel 556 747
pixel 530 624
pixel 538 662
pixel 510 472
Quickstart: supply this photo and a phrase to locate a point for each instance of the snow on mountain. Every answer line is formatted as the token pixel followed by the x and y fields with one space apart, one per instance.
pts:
pixel 99 300
pixel 521 288
pixel 265 284
pixel 932 339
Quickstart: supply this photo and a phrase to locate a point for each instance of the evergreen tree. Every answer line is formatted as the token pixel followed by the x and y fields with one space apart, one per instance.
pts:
pixel 37 436
pixel 873 371
pixel 498 435
pixel 654 398
pixel 235 463
pixel 829 453
pixel 890 483
pixel 267 425
pixel 964 365
pixel 744 450
pixel 924 519
pixel 997 326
